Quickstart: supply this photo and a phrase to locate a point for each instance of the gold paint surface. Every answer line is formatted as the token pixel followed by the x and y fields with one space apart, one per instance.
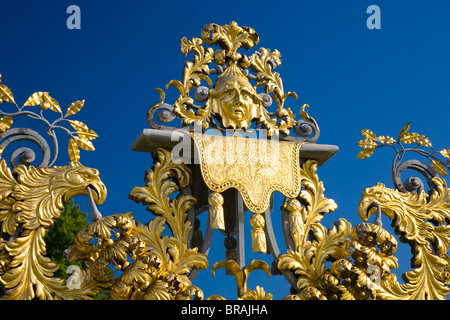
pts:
pixel 155 259
pixel 255 167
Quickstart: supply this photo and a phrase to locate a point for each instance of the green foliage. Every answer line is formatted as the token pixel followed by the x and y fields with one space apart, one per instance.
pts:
pixel 63 234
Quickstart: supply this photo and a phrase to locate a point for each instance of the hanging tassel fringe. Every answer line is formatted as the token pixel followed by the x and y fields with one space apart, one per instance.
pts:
pixel 216 215
pixel 258 235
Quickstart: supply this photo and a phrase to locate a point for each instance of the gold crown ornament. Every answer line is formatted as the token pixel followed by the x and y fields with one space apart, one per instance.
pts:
pixel 231 101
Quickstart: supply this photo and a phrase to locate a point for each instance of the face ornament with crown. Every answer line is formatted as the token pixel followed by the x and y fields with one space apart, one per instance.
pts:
pixel 232 101
pixel 235 100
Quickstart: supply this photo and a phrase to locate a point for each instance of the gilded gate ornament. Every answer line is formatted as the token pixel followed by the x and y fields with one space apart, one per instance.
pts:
pixel 420 217
pixel 160 259
pixel 255 168
pixel 216 214
pixel 32 198
pixel 160 263
pixel 233 100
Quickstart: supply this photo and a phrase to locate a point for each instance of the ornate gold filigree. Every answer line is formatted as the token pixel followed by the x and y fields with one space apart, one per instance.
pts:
pixel 174 212
pixel 422 222
pixel 31 201
pixel 232 97
pixel 241 276
pixel 193 73
pixel 421 218
pixel 363 256
pixel 308 260
pixel 154 260
pixel 159 263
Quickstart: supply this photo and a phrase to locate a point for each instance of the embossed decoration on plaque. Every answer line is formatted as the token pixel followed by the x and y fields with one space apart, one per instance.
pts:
pixel 255 167
pixel 159 260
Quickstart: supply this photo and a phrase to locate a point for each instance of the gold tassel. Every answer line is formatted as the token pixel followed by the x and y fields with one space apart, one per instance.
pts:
pixel 216 216
pixel 258 235
pixel 296 224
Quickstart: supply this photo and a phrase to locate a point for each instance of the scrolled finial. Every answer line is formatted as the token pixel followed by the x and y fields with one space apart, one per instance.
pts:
pixel 80 138
pixel 422 147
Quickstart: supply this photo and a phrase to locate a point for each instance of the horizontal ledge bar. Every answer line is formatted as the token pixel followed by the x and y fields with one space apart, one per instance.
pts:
pixel 150 139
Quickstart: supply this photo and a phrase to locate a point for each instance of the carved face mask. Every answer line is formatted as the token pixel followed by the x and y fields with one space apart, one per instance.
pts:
pixel 235 100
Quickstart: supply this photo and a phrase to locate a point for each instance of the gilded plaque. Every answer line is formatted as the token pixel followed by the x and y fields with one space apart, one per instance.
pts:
pixel 255 167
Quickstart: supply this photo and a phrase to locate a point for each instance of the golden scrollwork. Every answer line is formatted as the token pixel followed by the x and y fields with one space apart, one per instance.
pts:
pixel 241 276
pixel 308 260
pixel 421 219
pixel 160 263
pixel 31 200
pixel 155 260
pixel 363 256
pixel 232 98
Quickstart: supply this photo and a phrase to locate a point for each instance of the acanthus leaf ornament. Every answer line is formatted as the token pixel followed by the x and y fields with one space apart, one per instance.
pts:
pixel 160 259
pixel 419 216
pixel 230 67
pixel 32 200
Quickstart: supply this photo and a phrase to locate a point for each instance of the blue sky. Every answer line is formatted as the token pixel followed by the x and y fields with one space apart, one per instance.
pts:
pixel 353 78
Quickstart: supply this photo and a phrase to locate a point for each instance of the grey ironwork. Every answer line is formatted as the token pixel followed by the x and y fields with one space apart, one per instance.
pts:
pixel 25 155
